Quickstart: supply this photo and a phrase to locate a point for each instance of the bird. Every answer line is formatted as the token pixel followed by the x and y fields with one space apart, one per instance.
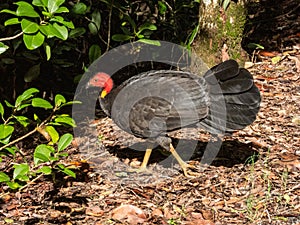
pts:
pixel 151 104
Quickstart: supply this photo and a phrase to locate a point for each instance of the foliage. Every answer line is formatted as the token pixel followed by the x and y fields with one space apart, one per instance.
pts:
pixel 46 157
pixel 99 26
pixel 39 20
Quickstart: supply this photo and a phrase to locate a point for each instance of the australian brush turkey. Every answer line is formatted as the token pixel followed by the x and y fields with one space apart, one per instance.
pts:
pixel 150 104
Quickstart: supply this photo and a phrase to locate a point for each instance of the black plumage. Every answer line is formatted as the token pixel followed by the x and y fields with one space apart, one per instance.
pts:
pixel 150 104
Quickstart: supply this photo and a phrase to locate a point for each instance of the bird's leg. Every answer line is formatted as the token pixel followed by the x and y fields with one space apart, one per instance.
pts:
pixel 146 159
pixel 184 166
pixel 143 167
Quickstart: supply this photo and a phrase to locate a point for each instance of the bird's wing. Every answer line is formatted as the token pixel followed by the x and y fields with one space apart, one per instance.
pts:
pixel 159 101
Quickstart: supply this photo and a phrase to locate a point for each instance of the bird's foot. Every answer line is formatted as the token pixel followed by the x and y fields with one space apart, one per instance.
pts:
pixel 141 169
pixel 186 168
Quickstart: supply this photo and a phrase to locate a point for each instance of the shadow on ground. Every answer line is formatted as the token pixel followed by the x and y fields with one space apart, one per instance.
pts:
pixel 232 152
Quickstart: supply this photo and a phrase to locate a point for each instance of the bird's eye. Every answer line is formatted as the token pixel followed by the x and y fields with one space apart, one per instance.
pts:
pixel 95 80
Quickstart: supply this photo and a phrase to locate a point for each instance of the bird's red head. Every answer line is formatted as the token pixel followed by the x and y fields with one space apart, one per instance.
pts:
pixel 102 80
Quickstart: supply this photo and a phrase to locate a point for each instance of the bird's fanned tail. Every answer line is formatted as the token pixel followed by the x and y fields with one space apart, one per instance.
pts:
pixel 235 100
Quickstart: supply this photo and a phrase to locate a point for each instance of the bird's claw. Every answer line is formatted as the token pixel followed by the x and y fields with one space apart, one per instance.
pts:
pixel 186 168
pixel 141 169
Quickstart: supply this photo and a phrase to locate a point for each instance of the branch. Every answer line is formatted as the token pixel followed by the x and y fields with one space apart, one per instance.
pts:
pixel 31 182
pixel 109 26
pixel 12 37
pixel 18 139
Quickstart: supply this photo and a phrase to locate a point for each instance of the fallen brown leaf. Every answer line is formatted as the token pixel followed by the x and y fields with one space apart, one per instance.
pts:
pixel 157 213
pixel 199 222
pixel 129 213
pixel 94 211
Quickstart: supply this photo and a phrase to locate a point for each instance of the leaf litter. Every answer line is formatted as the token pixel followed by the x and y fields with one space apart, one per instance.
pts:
pixel 253 180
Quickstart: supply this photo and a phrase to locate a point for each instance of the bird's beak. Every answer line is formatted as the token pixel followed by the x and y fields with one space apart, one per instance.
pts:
pixel 103 94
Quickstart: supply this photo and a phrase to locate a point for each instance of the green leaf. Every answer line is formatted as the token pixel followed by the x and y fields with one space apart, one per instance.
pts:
pixel 67 171
pixel 26 9
pixel 65 119
pixel 62 9
pixel 26 95
pixel 4 177
pixel 96 18
pixel 3 48
pixel 150 42
pixel 121 37
pixel 48 51
pixel 77 32
pixel 140 36
pixel 45 170
pixel 29 27
pixel 38 3
pixel 64 142
pixel 59 100
pixel 54 158
pixel 20 171
pixel 5 131
pixel 8 104
pixel 255 46
pixel 1 110
pixel 93 28
pixel 24 121
pixel 33 73
pixel 94 53
pixel 147 26
pixel 47 14
pixel 225 4
pixel 41 103
pixel 33 41
pixel 53 5
pixel 22 106
pixel 42 153
pixel 53 133
pixel 47 30
pixel 162 7
pixel 79 8
pixel 72 102
pixel 62 21
pixel 62 154
pixel 193 35
pixel 13 185
pixel 60 31
pixel 5 141
pixel 12 150
pixel 36 118
pixel 94 25
pixel 11 21
pixel 8 11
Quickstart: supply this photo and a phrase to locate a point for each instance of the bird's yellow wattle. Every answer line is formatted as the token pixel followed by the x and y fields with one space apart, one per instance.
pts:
pixel 103 94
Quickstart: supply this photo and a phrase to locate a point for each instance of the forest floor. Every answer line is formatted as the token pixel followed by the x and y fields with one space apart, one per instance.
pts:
pixel 253 180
